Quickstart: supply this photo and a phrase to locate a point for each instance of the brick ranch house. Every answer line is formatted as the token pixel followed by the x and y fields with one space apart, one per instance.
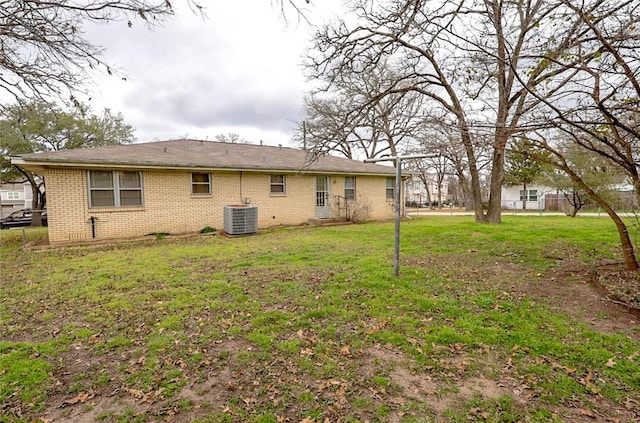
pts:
pixel 183 186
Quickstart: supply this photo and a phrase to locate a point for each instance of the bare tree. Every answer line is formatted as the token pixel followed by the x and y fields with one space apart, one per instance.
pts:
pixel 576 197
pixel 598 110
pixel 560 160
pixel 602 105
pixel 43 51
pixel 476 60
pixel 231 138
pixel 439 137
pixel 328 126
pixel 351 117
pixel 435 139
pixel 432 172
pixel 596 171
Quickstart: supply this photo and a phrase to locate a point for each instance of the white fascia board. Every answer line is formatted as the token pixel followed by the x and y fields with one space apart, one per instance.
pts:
pixel 85 165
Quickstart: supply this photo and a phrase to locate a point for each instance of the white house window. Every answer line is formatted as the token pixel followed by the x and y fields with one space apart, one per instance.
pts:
pixel 200 183
pixel 115 189
pixel 350 187
pixel 530 195
pixel 278 184
pixel 13 195
pixel 391 189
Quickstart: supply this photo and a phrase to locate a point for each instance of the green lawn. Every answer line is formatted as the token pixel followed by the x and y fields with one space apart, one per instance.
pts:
pixel 310 323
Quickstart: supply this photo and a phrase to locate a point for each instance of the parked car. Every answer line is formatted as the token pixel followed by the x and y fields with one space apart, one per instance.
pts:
pixel 21 218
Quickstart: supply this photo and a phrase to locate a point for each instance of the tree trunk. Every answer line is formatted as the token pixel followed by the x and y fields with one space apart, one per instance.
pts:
pixel 35 194
pixel 36 218
pixel 38 201
pixel 425 182
pixel 494 211
pixel 501 136
pixel 38 205
pixel 463 188
pixel 577 204
pixel 525 196
pixel 465 198
pixel 628 252
pixel 475 190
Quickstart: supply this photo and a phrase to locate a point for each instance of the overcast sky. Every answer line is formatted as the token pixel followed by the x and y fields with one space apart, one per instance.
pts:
pixel 237 71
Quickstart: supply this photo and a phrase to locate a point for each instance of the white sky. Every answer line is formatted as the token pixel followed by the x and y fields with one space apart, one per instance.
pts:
pixel 237 71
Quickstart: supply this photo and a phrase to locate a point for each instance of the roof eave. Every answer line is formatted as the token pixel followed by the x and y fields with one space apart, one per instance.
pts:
pixel 41 165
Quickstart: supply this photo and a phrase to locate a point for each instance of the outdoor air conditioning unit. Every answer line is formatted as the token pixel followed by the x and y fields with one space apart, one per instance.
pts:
pixel 240 219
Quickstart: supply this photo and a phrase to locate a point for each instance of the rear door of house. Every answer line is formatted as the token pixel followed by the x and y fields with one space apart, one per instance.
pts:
pixel 323 208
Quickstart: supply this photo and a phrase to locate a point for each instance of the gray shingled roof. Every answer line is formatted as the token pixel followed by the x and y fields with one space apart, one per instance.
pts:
pixel 191 154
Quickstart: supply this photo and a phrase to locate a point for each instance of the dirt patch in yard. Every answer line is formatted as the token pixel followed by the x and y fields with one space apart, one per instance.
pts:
pixel 212 383
pixel 570 288
pixel 232 380
pixel 618 284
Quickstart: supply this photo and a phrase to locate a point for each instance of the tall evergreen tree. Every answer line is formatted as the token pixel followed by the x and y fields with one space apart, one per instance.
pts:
pixel 522 166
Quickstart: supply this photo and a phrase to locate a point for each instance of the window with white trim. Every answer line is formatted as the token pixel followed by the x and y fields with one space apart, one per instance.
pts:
pixel 13 195
pixel 530 195
pixel 278 184
pixel 114 188
pixel 350 187
pixel 200 183
pixel 391 189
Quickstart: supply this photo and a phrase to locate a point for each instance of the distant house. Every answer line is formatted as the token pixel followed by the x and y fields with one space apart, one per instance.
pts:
pixel 183 186
pixel 419 194
pixel 14 196
pixel 515 198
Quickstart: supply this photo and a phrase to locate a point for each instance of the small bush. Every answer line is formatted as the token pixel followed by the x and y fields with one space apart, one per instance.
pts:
pixel 360 210
pixel 207 229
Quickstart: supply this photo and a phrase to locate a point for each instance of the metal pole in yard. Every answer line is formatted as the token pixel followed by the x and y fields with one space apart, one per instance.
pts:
pixel 398 199
pixel 396 235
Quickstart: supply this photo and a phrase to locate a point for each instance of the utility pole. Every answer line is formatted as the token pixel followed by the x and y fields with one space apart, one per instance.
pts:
pixel 398 163
pixel 304 135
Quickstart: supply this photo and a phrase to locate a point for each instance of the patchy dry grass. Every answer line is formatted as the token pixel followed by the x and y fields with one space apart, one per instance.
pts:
pixel 486 323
